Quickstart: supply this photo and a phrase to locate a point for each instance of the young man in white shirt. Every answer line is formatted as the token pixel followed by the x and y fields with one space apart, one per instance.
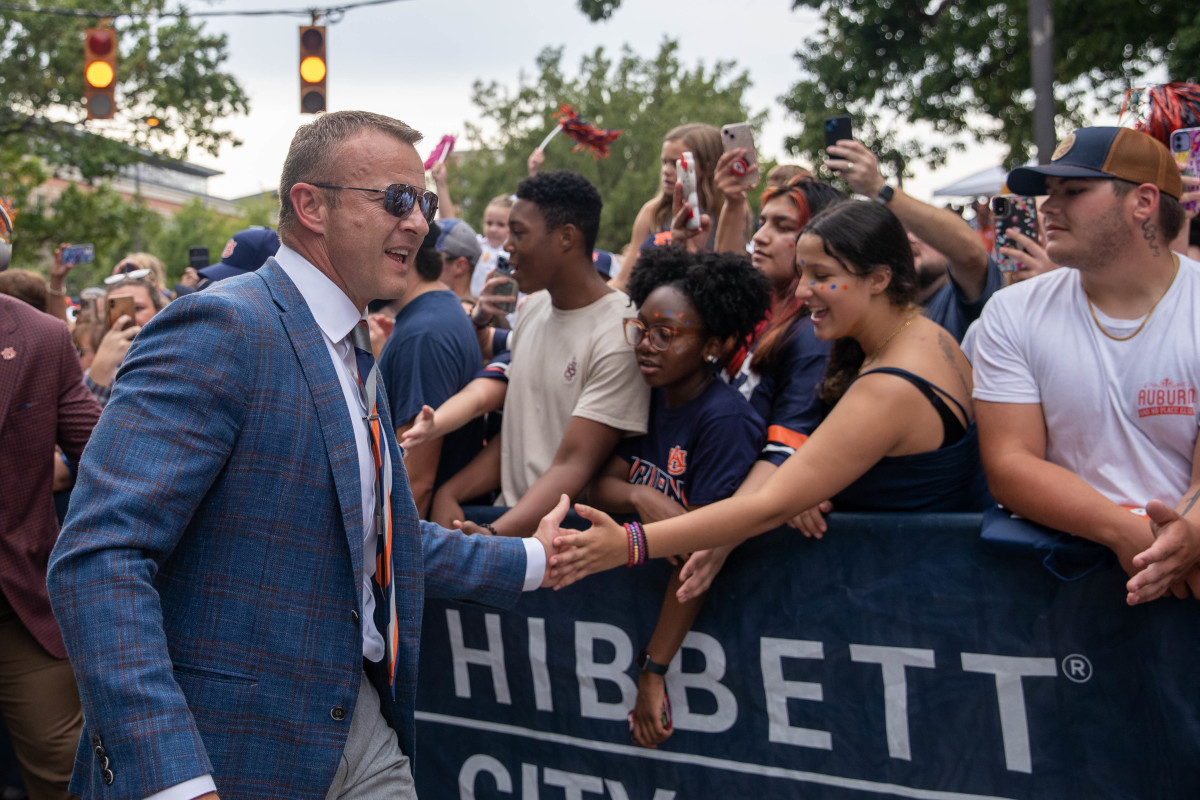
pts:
pixel 1085 378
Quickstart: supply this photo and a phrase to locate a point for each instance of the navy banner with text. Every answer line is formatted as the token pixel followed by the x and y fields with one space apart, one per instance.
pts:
pixel 900 656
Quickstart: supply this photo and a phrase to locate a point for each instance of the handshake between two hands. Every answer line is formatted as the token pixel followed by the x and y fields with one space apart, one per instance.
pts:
pixel 572 555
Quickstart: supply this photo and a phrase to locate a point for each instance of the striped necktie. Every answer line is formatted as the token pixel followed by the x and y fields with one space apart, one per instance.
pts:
pixel 384 587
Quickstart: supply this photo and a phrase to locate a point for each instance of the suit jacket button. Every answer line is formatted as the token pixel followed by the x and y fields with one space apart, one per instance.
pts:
pixel 338 713
pixel 354 616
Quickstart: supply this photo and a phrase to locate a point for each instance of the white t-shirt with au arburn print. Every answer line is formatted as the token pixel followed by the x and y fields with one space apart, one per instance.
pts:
pixel 1121 415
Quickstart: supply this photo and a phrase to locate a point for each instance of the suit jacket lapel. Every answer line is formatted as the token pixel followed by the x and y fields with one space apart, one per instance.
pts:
pixel 326 389
pixel 12 358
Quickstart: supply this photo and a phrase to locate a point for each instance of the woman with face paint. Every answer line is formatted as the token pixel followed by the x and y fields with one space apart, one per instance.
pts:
pixel 702 436
pixel 900 435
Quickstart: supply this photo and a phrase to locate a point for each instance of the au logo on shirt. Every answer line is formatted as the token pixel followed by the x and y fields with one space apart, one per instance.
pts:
pixel 677 460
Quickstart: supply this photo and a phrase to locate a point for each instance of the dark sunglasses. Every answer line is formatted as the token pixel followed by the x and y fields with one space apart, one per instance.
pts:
pixel 399 199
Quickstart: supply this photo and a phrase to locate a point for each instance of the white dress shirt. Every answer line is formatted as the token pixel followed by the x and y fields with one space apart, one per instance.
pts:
pixel 336 316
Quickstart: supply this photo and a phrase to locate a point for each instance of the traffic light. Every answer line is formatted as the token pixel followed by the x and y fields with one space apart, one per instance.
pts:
pixel 312 69
pixel 100 72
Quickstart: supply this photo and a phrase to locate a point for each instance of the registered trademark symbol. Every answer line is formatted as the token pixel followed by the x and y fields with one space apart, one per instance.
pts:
pixel 1077 668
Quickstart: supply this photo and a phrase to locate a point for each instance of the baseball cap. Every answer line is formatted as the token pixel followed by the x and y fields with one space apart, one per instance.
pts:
pixel 1121 153
pixel 603 261
pixel 245 252
pixel 458 240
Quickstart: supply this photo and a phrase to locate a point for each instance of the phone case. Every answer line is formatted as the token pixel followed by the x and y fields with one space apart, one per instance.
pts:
pixel 740 135
pixel 507 288
pixel 78 254
pixel 1185 144
pixel 836 129
pixel 1012 211
pixel 686 170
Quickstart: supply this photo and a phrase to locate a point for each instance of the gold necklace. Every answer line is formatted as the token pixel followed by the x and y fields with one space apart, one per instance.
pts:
pixel 893 335
pixel 1145 319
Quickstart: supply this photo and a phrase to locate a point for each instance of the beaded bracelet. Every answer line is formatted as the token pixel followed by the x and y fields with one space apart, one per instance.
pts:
pixel 637 544
pixel 489 528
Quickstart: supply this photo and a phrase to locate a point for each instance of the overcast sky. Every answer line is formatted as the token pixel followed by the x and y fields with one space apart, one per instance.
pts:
pixel 416 60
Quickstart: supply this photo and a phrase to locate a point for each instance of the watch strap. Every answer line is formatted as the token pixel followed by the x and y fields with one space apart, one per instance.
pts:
pixel 646 664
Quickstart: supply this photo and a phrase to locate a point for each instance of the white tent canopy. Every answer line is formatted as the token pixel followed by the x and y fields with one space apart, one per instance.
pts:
pixel 983 183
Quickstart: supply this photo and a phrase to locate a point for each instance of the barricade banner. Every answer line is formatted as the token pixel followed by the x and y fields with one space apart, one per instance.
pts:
pixel 900 656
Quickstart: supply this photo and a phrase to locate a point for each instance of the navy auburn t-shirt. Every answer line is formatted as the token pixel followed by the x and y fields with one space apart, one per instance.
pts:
pixel 700 452
pixel 431 354
pixel 786 396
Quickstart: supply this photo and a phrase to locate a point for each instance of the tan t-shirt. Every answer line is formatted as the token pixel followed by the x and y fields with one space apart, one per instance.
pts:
pixel 566 364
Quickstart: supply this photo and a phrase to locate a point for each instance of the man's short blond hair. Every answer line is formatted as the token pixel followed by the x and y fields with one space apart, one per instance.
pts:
pixel 312 154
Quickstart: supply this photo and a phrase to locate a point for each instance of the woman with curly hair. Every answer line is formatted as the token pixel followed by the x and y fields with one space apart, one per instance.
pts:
pixel 780 370
pixel 702 436
pixel 901 433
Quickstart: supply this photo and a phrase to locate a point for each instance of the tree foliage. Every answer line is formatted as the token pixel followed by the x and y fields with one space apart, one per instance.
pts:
pixel 963 67
pixel 645 97
pixel 168 68
pixel 597 10
pixel 114 225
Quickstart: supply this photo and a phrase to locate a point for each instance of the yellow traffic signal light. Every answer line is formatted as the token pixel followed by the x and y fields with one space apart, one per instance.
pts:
pixel 312 69
pixel 100 72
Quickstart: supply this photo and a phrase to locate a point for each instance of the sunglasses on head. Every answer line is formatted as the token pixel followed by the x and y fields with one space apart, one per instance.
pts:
pixel 126 275
pixel 399 199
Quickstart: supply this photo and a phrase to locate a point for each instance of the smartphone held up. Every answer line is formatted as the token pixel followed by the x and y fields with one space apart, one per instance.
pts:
pixel 741 136
pixel 1013 211
pixel 1185 145
pixel 686 170
pixel 120 307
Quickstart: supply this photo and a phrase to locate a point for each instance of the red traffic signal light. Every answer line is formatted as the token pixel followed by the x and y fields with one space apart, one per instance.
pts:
pixel 100 72
pixel 312 69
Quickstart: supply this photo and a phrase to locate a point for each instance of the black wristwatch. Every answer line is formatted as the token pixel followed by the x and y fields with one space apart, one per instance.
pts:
pixel 885 195
pixel 645 664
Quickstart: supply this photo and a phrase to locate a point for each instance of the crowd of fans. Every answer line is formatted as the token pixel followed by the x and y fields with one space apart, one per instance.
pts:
pixel 772 365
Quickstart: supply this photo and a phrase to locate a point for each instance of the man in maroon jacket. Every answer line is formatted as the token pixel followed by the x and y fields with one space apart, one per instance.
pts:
pixel 43 402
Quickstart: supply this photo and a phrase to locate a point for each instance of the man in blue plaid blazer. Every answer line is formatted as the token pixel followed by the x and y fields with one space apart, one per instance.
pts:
pixel 214 577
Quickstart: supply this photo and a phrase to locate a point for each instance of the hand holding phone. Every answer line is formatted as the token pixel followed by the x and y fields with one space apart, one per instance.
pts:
pixel 1185 145
pixel 1013 211
pixel 686 170
pixel 741 135
pixel 119 307
pixel 78 254
pixel 508 288
pixel 837 129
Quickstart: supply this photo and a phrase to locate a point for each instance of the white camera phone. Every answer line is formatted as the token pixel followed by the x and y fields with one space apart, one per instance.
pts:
pixel 741 135
pixel 685 169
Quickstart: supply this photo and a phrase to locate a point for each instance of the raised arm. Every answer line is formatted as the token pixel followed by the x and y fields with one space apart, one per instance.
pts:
pixel 479 397
pixel 943 230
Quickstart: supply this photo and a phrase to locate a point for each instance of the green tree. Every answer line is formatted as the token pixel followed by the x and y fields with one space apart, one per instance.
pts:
pixel 96 215
pixel 963 67
pixel 168 68
pixel 644 97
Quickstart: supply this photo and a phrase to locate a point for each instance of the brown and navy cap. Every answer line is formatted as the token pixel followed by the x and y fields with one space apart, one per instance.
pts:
pixel 1121 153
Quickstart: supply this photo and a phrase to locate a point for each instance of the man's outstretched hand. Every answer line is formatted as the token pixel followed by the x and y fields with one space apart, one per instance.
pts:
pixel 548 529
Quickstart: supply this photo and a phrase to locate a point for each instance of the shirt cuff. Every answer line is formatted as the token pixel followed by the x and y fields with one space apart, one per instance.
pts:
pixel 535 564
pixel 188 790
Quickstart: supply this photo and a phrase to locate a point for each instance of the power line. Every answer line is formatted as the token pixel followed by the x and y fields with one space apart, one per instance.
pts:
pixel 331 13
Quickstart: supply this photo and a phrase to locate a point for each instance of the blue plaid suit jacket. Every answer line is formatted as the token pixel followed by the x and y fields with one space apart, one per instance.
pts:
pixel 207 577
